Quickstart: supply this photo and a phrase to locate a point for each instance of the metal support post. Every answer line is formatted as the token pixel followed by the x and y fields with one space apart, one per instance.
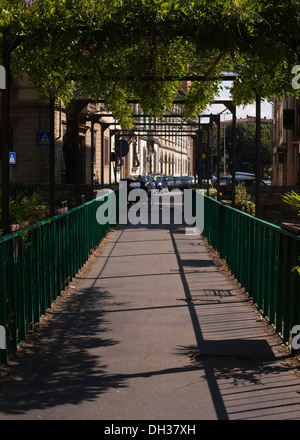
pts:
pixel 5 138
pixel 208 171
pixel 233 171
pixel 52 156
pixel 92 155
pixel 218 155
pixel 104 127
pixel 258 157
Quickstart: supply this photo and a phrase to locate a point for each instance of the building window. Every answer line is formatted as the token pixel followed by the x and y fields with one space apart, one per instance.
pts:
pixel 106 152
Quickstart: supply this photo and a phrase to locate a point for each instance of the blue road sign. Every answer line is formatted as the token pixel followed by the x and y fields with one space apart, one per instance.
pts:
pixel 12 158
pixel 43 137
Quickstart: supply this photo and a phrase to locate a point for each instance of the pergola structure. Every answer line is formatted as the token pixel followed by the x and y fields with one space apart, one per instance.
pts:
pixel 122 45
pixel 193 129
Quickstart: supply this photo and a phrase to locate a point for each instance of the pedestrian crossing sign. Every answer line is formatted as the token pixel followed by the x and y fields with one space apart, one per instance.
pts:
pixel 12 158
pixel 43 137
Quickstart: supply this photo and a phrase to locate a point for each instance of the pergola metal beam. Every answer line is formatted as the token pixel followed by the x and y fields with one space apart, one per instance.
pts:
pixel 178 78
pixel 156 78
pixel 145 115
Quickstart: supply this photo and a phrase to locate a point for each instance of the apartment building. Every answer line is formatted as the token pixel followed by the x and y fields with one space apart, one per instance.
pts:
pixel 159 145
pixel 285 146
pixel 86 135
pixel 30 138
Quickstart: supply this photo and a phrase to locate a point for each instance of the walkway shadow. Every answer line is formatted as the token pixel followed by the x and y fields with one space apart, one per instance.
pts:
pixel 197 263
pixel 60 367
pixel 241 361
pixel 235 360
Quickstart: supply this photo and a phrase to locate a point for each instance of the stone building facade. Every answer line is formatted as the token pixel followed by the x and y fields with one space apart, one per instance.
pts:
pixel 149 152
pixel 285 146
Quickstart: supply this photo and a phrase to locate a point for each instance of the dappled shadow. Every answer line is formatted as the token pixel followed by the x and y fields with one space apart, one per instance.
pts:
pixel 240 371
pixel 239 361
pixel 60 367
pixel 251 382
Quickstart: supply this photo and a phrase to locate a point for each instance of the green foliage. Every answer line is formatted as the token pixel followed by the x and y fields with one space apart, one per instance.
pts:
pixel 296 269
pixel 246 145
pixel 292 199
pixel 122 49
pixel 24 208
pixel 242 200
pixel 213 193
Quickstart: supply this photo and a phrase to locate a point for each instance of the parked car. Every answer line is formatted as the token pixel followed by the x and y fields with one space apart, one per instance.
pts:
pixel 242 173
pixel 211 179
pixel 150 178
pixel 170 182
pixel 178 182
pixel 240 179
pixel 267 180
pixel 160 182
pixel 138 182
pixel 186 182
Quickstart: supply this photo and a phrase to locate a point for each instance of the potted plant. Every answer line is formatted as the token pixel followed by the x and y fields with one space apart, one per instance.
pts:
pixel 292 199
pixel 24 210
pixel 243 201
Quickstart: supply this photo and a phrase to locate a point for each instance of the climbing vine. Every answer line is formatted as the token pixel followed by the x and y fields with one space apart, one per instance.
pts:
pixel 122 49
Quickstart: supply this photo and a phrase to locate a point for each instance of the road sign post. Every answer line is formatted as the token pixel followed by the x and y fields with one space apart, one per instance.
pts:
pixel 43 138
pixel 122 148
pixel 12 158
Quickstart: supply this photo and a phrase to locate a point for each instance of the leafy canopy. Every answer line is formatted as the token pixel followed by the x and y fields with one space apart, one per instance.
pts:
pixel 121 49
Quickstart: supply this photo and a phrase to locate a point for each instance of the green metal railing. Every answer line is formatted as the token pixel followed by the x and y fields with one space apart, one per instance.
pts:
pixel 261 257
pixel 37 263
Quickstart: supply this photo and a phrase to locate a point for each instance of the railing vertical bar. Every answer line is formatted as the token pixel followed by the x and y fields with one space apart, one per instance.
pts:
pixel 287 291
pixel 273 272
pixel 29 274
pixel 280 290
pixel 11 298
pixel 21 302
pixel 3 296
pixel 33 276
pixel 269 264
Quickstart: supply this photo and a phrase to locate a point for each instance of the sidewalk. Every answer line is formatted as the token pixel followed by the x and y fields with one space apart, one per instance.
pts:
pixel 155 330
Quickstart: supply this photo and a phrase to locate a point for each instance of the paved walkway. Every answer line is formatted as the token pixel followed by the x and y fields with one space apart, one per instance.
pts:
pixel 155 330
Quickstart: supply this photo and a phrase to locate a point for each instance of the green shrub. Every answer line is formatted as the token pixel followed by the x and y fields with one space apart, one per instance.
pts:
pixel 242 200
pixel 293 199
pixel 213 193
pixel 25 208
